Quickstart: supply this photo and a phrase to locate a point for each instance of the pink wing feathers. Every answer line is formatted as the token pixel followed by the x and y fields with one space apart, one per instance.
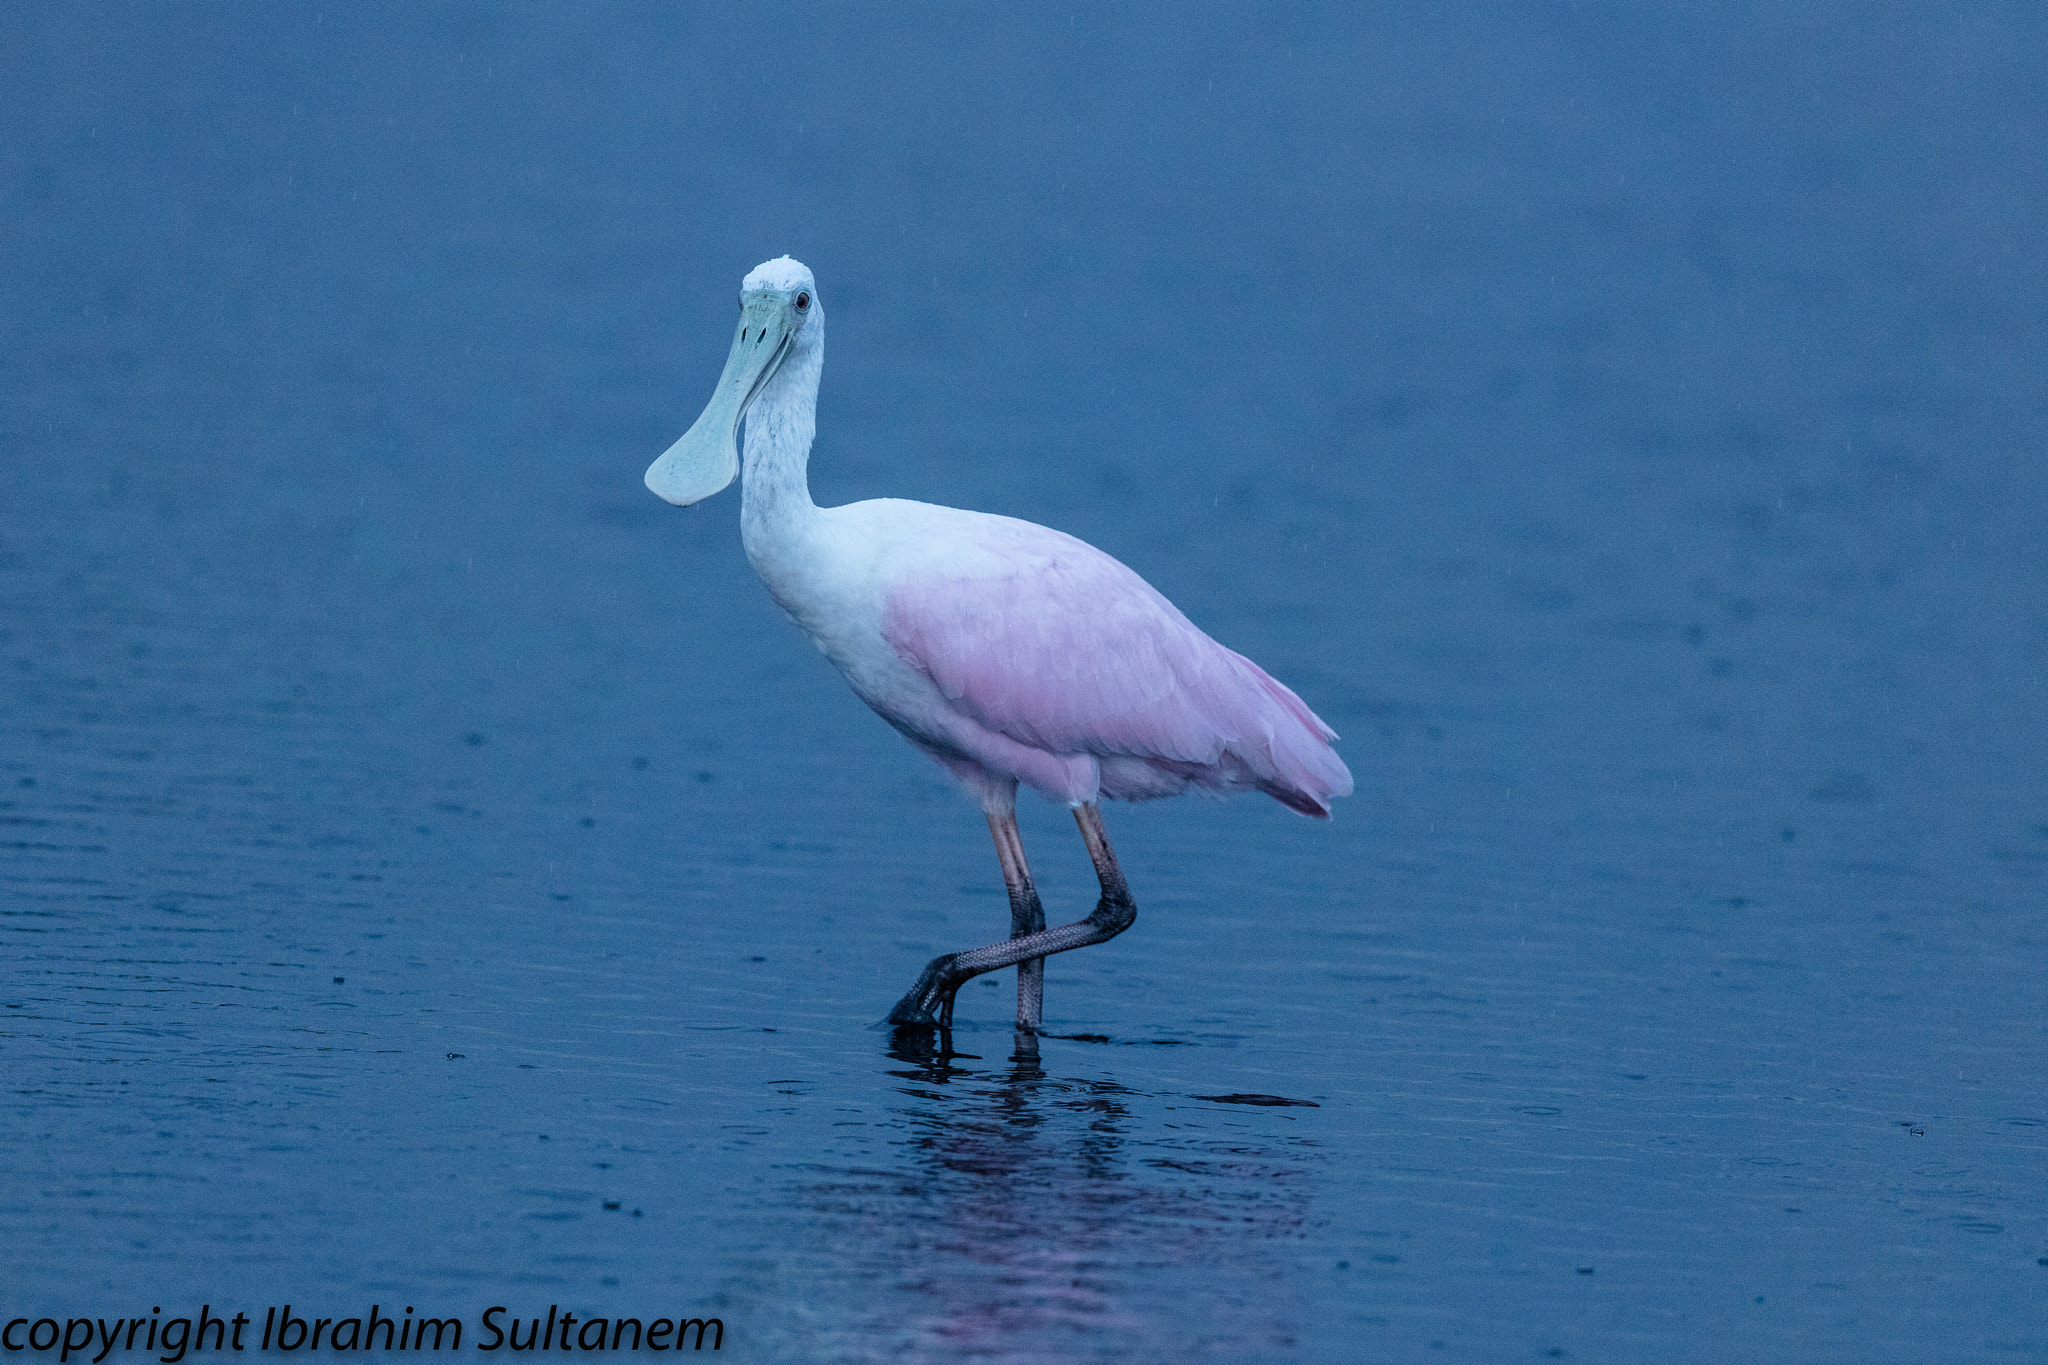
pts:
pixel 1053 645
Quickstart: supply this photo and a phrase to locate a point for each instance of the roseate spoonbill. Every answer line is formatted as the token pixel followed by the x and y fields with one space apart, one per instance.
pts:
pixel 1008 652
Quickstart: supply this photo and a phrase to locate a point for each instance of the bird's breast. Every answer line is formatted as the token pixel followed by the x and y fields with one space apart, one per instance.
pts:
pixel 828 584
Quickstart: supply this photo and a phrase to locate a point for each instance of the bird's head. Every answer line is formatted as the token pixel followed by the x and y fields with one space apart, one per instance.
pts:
pixel 779 314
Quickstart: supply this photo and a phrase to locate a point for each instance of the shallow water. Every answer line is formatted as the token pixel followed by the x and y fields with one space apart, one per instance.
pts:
pixel 419 841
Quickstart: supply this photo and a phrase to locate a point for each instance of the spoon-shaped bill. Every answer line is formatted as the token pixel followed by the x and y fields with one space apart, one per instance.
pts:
pixel 707 457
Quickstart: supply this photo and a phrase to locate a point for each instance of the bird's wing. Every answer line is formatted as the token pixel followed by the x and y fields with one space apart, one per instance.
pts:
pixel 1047 640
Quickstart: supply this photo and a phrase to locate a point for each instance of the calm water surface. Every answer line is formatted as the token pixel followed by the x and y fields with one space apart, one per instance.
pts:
pixel 433 874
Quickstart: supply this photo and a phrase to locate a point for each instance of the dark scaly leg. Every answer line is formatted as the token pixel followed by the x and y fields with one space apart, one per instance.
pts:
pixel 1027 916
pixel 931 999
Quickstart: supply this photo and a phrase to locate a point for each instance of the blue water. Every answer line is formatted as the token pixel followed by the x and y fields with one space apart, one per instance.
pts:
pixel 1624 425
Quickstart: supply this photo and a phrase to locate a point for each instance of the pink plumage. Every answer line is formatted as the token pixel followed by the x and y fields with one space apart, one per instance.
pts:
pixel 1066 653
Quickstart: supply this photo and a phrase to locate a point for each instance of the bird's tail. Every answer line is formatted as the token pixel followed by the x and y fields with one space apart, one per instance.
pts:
pixel 1301 771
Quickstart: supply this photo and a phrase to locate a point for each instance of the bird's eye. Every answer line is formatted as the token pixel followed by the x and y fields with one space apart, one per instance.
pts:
pixel 803 301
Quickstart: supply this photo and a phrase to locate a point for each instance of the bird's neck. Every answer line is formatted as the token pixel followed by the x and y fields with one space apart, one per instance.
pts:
pixel 775 499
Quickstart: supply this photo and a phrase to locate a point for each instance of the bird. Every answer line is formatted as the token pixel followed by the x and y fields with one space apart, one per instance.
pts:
pixel 1011 653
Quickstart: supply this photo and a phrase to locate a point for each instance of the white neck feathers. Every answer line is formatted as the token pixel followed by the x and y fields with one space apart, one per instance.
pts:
pixel 775 497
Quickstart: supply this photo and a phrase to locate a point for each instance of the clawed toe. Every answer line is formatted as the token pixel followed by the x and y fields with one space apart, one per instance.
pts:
pixel 930 1001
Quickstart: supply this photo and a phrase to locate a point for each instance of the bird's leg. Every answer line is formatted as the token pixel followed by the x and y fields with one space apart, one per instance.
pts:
pixel 943 976
pixel 1027 916
pixel 1116 904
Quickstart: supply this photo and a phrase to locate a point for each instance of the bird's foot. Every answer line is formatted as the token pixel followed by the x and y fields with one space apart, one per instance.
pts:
pixel 930 1001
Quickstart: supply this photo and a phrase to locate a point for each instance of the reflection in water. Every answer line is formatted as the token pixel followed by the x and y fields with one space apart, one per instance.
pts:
pixel 1043 1218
